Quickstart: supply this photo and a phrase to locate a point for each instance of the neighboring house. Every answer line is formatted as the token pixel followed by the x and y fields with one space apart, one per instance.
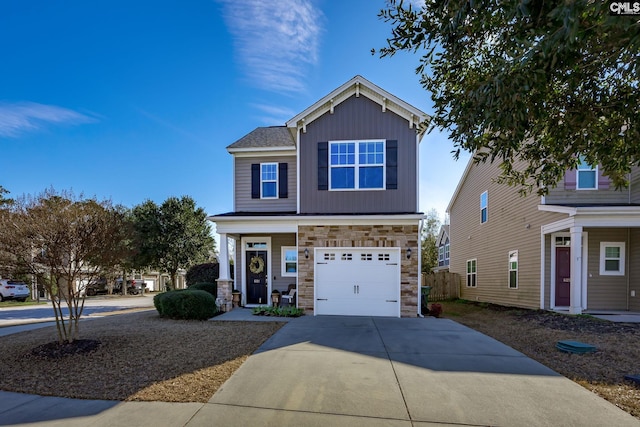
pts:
pixel 329 203
pixel 576 249
pixel 443 249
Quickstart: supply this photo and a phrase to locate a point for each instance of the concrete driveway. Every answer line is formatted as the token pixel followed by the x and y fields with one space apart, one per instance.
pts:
pixel 400 372
pixel 357 371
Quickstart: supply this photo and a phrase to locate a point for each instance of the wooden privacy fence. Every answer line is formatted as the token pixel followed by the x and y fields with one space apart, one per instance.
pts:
pixel 444 285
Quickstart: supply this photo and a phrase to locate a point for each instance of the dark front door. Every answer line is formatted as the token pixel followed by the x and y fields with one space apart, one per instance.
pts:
pixel 563 276
pixel 256 263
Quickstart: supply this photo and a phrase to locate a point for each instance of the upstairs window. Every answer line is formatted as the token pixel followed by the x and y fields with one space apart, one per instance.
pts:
pixel 356 165
pixel 446 253
pixel 587 176
pixel 268 180
pixel 441 254
pixel 484 207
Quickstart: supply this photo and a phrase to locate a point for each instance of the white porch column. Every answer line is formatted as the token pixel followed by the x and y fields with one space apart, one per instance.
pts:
pixel 225 284
pixel 224 257
pixel 576 270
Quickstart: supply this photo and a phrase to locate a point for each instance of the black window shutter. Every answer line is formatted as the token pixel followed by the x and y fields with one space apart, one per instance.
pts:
pixel 392 165
pixel 323 165
pixel 255 181
pixel 282 181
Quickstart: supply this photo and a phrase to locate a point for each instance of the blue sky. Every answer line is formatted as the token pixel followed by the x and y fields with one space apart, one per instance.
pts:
pixel 135 100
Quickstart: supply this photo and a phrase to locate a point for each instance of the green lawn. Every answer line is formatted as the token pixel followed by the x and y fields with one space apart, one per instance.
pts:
pixel 19 304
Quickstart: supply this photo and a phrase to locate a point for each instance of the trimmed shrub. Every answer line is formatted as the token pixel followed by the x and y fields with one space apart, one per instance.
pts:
pixel 186 304
pixel 203 273
pixel 212 288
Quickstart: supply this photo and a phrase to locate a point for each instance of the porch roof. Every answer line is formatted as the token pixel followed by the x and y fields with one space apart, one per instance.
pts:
pixel 592 216
pixel 286 222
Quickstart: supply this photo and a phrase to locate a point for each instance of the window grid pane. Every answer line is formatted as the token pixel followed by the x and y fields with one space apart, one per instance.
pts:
pixel 366 159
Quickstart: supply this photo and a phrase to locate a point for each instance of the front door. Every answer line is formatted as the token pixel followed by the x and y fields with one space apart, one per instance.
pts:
pixel 256 262
pixel 563 276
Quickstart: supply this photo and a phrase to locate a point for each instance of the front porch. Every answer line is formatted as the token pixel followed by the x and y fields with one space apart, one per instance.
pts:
pixel 590 261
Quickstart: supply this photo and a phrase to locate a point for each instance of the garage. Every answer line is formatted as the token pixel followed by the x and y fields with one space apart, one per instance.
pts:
pixel 357 281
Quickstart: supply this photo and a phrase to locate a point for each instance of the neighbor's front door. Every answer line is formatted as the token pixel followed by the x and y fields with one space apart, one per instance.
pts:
pixel 563 276
pixel 256 262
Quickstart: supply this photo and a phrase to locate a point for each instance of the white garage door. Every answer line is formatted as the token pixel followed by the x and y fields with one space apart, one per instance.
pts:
pixel 357 282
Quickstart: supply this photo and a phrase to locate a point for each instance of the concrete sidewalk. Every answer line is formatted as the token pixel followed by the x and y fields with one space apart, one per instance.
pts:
pixel 358 371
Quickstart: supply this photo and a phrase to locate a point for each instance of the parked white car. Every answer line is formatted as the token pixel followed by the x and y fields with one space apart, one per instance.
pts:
pixel 13 289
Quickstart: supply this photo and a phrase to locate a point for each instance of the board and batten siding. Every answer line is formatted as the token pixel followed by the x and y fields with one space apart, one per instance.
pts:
pixel 513 224
pixel 358 118
pixel 243 200
pixel 605 292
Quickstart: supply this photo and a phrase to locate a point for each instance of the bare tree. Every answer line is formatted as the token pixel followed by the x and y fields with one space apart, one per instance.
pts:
pixel 64 241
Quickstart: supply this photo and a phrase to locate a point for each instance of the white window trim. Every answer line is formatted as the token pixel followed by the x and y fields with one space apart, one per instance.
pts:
pixel 446 252
pixel 276 181
pixel 356 165
pixel 486 207
pixel 441 254
pixel 284 272
pixel 595 171
pixel 604 245
pixel 475 273
pixel 516 270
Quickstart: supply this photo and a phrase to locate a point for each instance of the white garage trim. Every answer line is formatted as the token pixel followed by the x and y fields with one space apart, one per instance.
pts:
pixel 360 281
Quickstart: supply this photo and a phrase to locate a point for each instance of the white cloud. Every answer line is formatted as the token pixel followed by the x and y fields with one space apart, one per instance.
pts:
pixel 18 118
pixel 274 115
pixel 275 40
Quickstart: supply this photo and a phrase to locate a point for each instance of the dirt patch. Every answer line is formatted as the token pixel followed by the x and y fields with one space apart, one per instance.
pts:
pixel 56 350
pixel 140 357
pixel 535 333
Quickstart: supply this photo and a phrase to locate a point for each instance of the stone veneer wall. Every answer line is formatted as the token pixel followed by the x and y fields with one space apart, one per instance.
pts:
pixel 368 236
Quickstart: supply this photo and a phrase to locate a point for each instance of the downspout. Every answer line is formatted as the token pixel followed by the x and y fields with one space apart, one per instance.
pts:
pixel 420 268
pixel 543 257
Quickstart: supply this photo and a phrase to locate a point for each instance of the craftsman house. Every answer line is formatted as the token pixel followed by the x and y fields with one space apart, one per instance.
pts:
pixel 576 249
pixel 328 205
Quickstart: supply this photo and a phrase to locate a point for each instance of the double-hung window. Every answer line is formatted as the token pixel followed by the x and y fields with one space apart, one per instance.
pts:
pixel 289 261
pixel 356 165
pixel 446 253
pixel 587 176
pixel 484 207
pixel 268 180
pixel 513 270
pixel 612 258
pixel 441 254
pixel 471 273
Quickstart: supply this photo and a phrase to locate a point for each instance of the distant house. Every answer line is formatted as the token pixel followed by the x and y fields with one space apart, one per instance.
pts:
pixel 443 249
pixel 328 204
pixel 577 249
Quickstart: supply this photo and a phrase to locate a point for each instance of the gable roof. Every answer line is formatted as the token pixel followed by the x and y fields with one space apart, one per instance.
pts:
pixel 460 183
pixel 444 233
pixel 274 138
pixel 359 86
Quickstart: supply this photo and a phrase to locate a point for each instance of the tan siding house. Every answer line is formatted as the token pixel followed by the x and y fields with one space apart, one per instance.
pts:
pixel 520 251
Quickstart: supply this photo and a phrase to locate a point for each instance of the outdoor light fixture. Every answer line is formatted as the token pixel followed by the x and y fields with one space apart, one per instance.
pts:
pixel 408 253
pixel 306 253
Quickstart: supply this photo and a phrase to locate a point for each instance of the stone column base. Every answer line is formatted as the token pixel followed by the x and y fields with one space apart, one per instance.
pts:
pixel 224 292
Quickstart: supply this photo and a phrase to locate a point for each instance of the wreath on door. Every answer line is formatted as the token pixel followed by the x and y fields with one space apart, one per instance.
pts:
pixel 256 265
